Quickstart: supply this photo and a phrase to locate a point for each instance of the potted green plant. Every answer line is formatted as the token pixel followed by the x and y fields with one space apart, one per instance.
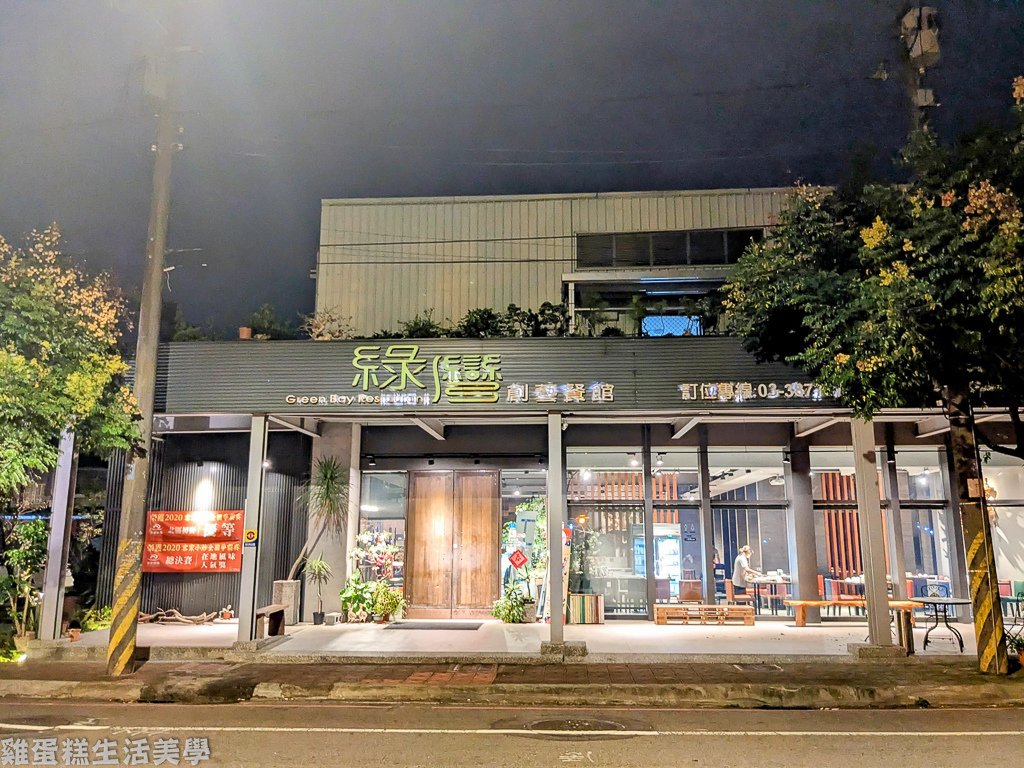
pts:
pixel 25 556
pixel 387 603
pixel 319 572
pixel 511 608
pixel 1015 645
pixel 357 598
pixel 326 498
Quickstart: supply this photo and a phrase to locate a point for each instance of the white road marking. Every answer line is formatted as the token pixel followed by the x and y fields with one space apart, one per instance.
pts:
pixel 501 731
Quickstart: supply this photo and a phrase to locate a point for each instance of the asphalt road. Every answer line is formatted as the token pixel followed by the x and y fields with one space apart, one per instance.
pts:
pixel 328 734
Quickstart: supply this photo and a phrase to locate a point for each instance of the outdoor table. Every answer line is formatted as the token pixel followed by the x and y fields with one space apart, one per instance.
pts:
pixel 942 603
pixel 1016 626
pixel 773 592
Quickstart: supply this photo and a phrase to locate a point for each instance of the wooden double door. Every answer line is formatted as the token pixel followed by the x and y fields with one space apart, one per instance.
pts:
pixel 452 544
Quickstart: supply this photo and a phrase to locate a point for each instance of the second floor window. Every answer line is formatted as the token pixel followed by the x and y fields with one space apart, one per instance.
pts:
pixel 663 249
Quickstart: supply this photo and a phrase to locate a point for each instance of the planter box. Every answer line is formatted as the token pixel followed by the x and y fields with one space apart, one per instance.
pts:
pixel 287 593
pixel 530 613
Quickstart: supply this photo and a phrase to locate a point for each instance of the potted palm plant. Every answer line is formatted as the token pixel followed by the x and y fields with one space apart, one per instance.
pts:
pixel 319 572
pixel 326 498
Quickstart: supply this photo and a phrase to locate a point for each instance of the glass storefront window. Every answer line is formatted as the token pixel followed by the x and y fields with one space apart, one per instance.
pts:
pixel 1004 490
pixel 382 511
pixel 607 551
pixel 1004 477
pixel 675 475
pixel 524 529
pixel 746 475
pixel 1008 535
pixel 919 475
pixel 607 556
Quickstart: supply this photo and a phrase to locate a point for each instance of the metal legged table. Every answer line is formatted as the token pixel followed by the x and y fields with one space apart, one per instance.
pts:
pixel 940 607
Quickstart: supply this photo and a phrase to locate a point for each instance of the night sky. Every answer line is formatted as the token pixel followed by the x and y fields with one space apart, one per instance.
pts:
pixel 285 103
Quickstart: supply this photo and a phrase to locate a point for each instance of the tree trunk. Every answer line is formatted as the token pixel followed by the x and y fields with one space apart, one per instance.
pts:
pixel 981 566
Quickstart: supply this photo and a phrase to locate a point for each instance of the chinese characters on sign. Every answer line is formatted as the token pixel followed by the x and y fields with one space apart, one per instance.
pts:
pixel 518 559
pixel 403 375
pixel 193 542
pixel 598 392
pixel 78 751
pixel 743 391
pixel 394 370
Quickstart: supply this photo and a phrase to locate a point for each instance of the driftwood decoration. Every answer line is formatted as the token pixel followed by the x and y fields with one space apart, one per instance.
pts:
pixel 174 616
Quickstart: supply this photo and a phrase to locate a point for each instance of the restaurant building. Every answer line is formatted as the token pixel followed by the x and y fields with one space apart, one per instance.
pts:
pixel 629 470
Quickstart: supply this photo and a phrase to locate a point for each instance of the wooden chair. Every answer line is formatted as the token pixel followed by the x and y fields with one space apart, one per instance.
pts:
pixel 732 598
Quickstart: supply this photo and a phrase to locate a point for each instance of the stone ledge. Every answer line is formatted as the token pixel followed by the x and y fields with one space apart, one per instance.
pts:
pixel 876 652
pixel 572 649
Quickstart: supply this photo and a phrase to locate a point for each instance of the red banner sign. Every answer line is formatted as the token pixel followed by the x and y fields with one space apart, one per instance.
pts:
pixel 193 542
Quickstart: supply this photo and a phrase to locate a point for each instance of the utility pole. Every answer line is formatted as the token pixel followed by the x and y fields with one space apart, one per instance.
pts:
pixel 128 570
pixel 919 30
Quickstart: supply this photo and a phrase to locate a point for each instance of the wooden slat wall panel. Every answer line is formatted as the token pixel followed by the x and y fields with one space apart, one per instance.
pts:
pixel 428 549
pixel 477 513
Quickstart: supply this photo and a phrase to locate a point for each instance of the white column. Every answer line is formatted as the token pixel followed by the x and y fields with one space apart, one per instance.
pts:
pixel 897 556
pixel 52 609
pixel 355 493
pixel 556 522
pixel 872 541
pixel 803 551
pixel 253 521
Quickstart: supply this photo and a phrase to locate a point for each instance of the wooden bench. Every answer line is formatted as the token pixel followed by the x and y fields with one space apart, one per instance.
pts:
pixel 698 613
pixel 273 617
pixel 800 606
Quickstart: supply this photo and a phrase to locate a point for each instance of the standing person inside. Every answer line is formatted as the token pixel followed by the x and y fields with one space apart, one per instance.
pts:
pixel 742 572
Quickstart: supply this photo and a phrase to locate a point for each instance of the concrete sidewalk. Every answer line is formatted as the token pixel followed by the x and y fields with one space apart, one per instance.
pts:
pixel 909 683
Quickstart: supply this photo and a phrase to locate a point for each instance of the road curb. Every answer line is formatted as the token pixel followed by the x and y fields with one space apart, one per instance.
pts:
pixel 231 688
pixel 716 696
pixel 96 690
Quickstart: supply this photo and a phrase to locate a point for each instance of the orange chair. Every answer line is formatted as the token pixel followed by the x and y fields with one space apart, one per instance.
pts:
pixel 732 598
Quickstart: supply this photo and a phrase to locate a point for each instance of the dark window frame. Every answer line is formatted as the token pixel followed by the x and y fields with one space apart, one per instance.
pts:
pixel 600 250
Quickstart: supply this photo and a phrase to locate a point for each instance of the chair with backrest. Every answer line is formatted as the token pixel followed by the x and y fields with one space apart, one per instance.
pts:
pixel 828 592
pixel 662 590
pixel 917 588
pixel 778 596
pixel 933 589
pixel 732 598
pixel 720 577
pixel 1006 590
pixel 1017 590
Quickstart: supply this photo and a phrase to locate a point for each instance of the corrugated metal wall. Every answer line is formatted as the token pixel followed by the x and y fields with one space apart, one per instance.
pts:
pixel 383 261
pixel 176 473
pixel 111 526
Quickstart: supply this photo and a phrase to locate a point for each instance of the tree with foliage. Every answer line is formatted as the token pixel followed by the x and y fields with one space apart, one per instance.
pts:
pixel 904 297
pixel 24 555
pixel 60 366
pixel 180 329
pixel 266 324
